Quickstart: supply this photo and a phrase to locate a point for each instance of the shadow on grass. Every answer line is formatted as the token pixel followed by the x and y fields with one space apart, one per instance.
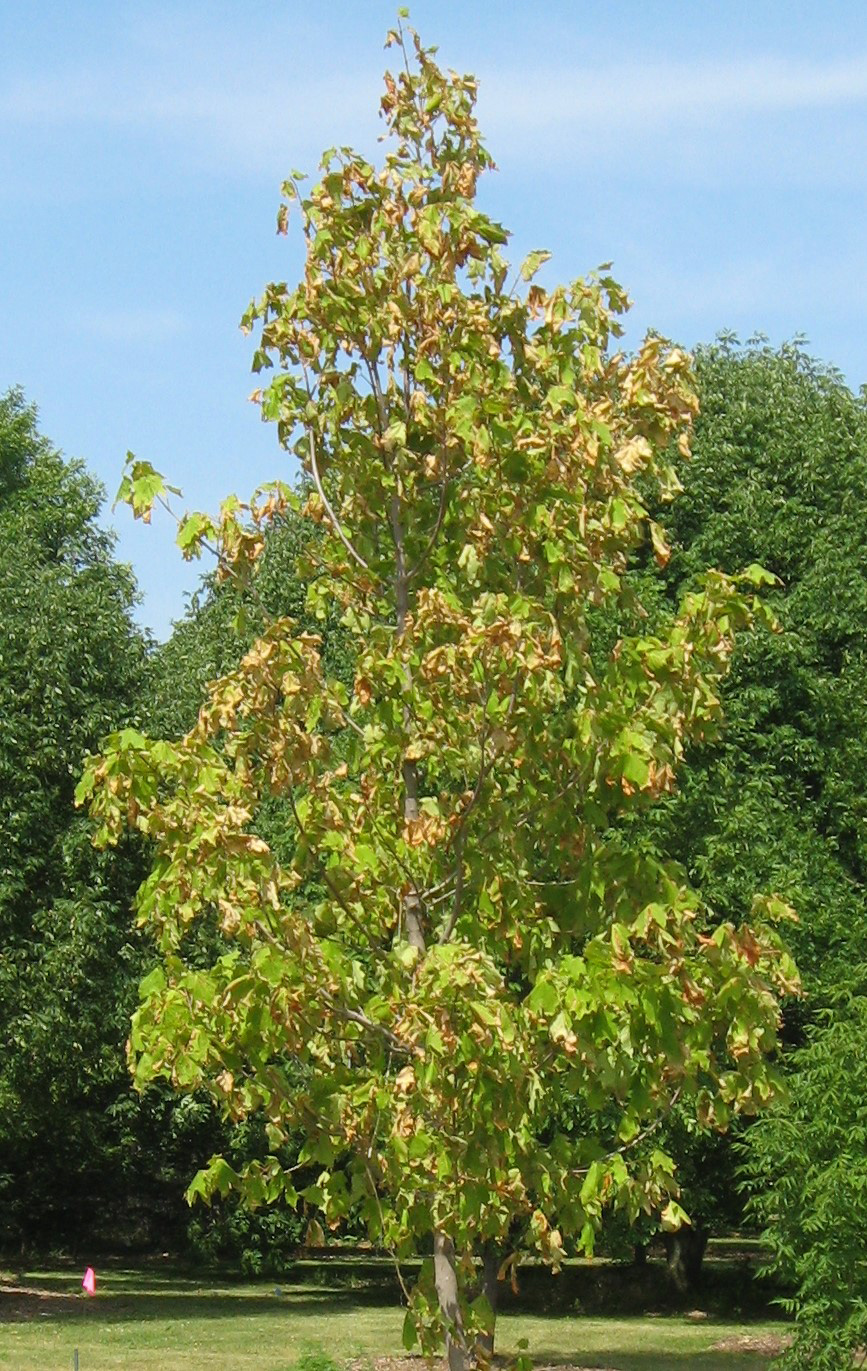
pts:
pixel 627 1343
pixel 117 1300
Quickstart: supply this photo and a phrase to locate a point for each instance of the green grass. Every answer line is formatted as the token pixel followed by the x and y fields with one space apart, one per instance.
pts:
pixel 160 1321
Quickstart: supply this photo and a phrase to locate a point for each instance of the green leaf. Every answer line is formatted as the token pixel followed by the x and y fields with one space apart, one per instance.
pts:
pixel 409 1332
pixel 532 262
pixel 636 769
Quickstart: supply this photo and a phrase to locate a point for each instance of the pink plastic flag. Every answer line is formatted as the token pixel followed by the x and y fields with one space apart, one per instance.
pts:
pixel 88 1285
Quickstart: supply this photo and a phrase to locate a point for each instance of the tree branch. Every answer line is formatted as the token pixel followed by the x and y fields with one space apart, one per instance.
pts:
pixel 431 542
pixel 350 914
pixel 342 1011
pixel 639 1137
pixel 328 510
pixel 458 893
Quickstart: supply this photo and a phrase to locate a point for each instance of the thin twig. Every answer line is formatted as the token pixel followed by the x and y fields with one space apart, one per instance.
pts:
pixel 218 557
pixel 484 770
pixel 350 914
pixel 573 880
pixel 634 1142
pixel 348 1015
pixel 355 1016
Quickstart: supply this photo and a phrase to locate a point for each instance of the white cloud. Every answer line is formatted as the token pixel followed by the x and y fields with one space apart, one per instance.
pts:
pixel 208 87
pixel 234 125
pixel 213 94
pixel 131 325
pixel 645 95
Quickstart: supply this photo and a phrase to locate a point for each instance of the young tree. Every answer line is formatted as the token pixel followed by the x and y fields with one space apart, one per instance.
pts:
pixel 475 993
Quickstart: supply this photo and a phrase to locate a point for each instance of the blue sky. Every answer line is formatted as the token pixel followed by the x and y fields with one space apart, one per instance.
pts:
pixel 714 152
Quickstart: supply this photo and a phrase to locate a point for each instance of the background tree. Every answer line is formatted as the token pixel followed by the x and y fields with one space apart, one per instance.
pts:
pixel 484 946
pixel 807 1174
pixel 777 475
pixel 70 668
pixel 83 1160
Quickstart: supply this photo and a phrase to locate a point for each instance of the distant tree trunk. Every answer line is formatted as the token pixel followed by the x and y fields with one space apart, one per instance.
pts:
pixel 684 1250
pixel 490 1288
pixel 639 1254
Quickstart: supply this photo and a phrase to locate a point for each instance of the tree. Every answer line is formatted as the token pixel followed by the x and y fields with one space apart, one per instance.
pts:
pixel 776 476
pixel 456 947
pixel 71 662
pixel 778 473
pixel 808 1178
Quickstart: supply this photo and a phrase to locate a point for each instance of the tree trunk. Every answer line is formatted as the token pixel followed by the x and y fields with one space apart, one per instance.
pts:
pixel 491 1290
pixel 412 910
pixel 684 1250
pixel 446 1282
pixel 445 1271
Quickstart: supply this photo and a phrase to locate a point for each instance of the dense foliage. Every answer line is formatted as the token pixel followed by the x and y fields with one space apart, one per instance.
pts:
pixel 807 1173
pixel 210 640
pixel 778 475
pixel 70 668
pixel 450 964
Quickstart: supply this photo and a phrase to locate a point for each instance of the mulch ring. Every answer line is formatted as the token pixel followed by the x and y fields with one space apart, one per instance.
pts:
pixel 419 1364
pixel 22 1303
pixel 768 1344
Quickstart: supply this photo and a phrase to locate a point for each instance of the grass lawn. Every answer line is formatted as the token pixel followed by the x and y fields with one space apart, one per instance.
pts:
pixel 159 1321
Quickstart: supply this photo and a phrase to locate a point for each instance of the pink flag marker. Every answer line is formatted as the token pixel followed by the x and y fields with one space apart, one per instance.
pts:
pixel 88 1285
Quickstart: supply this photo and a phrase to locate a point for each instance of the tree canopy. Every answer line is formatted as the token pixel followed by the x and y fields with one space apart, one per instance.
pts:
pixel 70 669
pixel 777 476
pixel 778 473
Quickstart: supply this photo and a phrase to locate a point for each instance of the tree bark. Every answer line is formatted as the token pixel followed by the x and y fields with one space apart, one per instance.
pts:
pixel 491 1255
pixel 446 1282
pixel 412 910
pixel 684 1250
